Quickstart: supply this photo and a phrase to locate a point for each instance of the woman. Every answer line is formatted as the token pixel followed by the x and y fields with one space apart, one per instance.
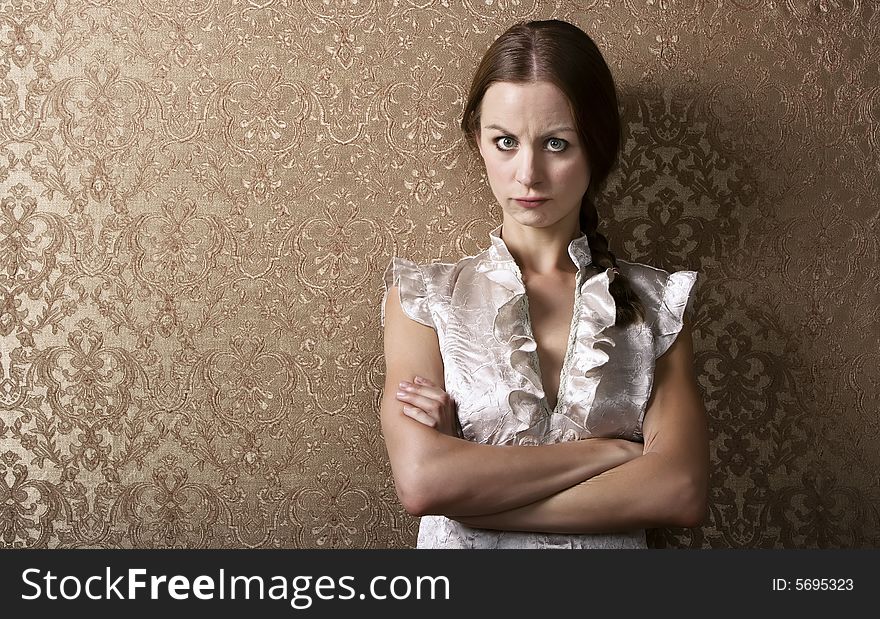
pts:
pixel 541 393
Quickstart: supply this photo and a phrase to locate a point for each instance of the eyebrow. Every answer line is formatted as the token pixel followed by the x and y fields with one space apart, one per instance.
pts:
pixel 559 129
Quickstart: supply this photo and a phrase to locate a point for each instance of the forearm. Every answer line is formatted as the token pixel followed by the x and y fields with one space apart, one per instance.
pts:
pixel 649 491
pixel 439 474
pixel 667 486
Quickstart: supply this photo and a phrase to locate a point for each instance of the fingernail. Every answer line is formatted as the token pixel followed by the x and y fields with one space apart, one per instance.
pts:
pixel 403 383
pixel 401 394
pixel 420 380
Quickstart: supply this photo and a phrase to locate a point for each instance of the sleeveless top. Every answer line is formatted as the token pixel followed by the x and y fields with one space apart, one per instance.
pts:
pixel 479 308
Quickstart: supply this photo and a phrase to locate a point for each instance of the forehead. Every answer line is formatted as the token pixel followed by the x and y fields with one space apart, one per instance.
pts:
pixel 525 106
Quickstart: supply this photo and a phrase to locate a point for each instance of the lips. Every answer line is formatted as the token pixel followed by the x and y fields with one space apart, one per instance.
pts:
pixel 531 202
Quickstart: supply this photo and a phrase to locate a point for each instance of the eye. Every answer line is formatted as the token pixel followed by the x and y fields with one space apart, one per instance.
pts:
pixel 504 143
pixel 557 145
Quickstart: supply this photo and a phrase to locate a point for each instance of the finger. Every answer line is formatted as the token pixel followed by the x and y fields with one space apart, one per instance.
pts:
pixel 419 415
pixel 424 381
pixel 423 402
pixel 423 390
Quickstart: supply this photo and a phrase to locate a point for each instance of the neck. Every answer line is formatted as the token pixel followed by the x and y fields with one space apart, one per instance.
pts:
pixel 541 251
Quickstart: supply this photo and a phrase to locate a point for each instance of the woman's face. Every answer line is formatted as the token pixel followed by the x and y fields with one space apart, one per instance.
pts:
pixel 528 142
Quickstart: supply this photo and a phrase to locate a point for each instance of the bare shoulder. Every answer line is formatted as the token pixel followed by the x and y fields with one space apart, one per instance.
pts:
pixel 679 358
pixel 676 414
pixel 411 348
pixel 405 338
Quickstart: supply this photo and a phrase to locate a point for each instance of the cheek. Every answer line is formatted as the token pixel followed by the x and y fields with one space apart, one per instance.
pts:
pixel 496 169
pixel 574 173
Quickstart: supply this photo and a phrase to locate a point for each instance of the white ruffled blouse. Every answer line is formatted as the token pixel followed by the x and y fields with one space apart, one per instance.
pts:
pixel 479 308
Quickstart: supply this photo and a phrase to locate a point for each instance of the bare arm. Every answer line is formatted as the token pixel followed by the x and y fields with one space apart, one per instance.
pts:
pixel 668 486
pixel 435 473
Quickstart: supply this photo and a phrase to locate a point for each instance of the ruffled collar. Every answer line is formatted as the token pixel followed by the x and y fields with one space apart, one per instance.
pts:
pixel 578 250
pixel 594 312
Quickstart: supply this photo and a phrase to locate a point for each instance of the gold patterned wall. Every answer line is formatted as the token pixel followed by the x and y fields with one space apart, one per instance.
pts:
pixel 198 199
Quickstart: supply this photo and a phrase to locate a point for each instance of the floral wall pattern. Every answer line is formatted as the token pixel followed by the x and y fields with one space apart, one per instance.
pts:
pixel 198 200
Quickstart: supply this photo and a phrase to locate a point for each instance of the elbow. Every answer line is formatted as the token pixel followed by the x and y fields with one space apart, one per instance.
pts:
pixel 691 504
pixel 417 493
pixel 414 502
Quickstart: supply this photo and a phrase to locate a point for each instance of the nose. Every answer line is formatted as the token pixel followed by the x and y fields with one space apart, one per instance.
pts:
pixel 527 168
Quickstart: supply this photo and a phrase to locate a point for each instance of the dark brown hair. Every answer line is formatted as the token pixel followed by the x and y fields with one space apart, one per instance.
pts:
pixel 561 53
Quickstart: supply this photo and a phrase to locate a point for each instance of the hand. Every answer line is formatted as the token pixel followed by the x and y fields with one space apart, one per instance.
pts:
pixel 629 450
pixel 430 405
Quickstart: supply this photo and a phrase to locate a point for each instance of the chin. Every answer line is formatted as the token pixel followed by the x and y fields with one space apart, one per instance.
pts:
pixel 535 219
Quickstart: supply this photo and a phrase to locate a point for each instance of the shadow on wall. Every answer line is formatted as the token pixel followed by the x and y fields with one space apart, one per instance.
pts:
pixel 693 191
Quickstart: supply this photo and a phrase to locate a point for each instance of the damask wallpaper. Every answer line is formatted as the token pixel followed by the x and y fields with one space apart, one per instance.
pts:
pixel 198 199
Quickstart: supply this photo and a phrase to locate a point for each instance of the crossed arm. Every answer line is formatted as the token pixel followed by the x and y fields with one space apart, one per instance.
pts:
pixel 588 486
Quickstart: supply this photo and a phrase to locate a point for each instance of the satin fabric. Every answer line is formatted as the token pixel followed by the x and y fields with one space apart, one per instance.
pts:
pixel 479 308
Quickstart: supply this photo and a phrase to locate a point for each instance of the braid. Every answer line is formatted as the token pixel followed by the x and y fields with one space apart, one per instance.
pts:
pixel 629 306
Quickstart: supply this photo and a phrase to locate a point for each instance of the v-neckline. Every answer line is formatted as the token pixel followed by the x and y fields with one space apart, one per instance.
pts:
pixel 569 346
